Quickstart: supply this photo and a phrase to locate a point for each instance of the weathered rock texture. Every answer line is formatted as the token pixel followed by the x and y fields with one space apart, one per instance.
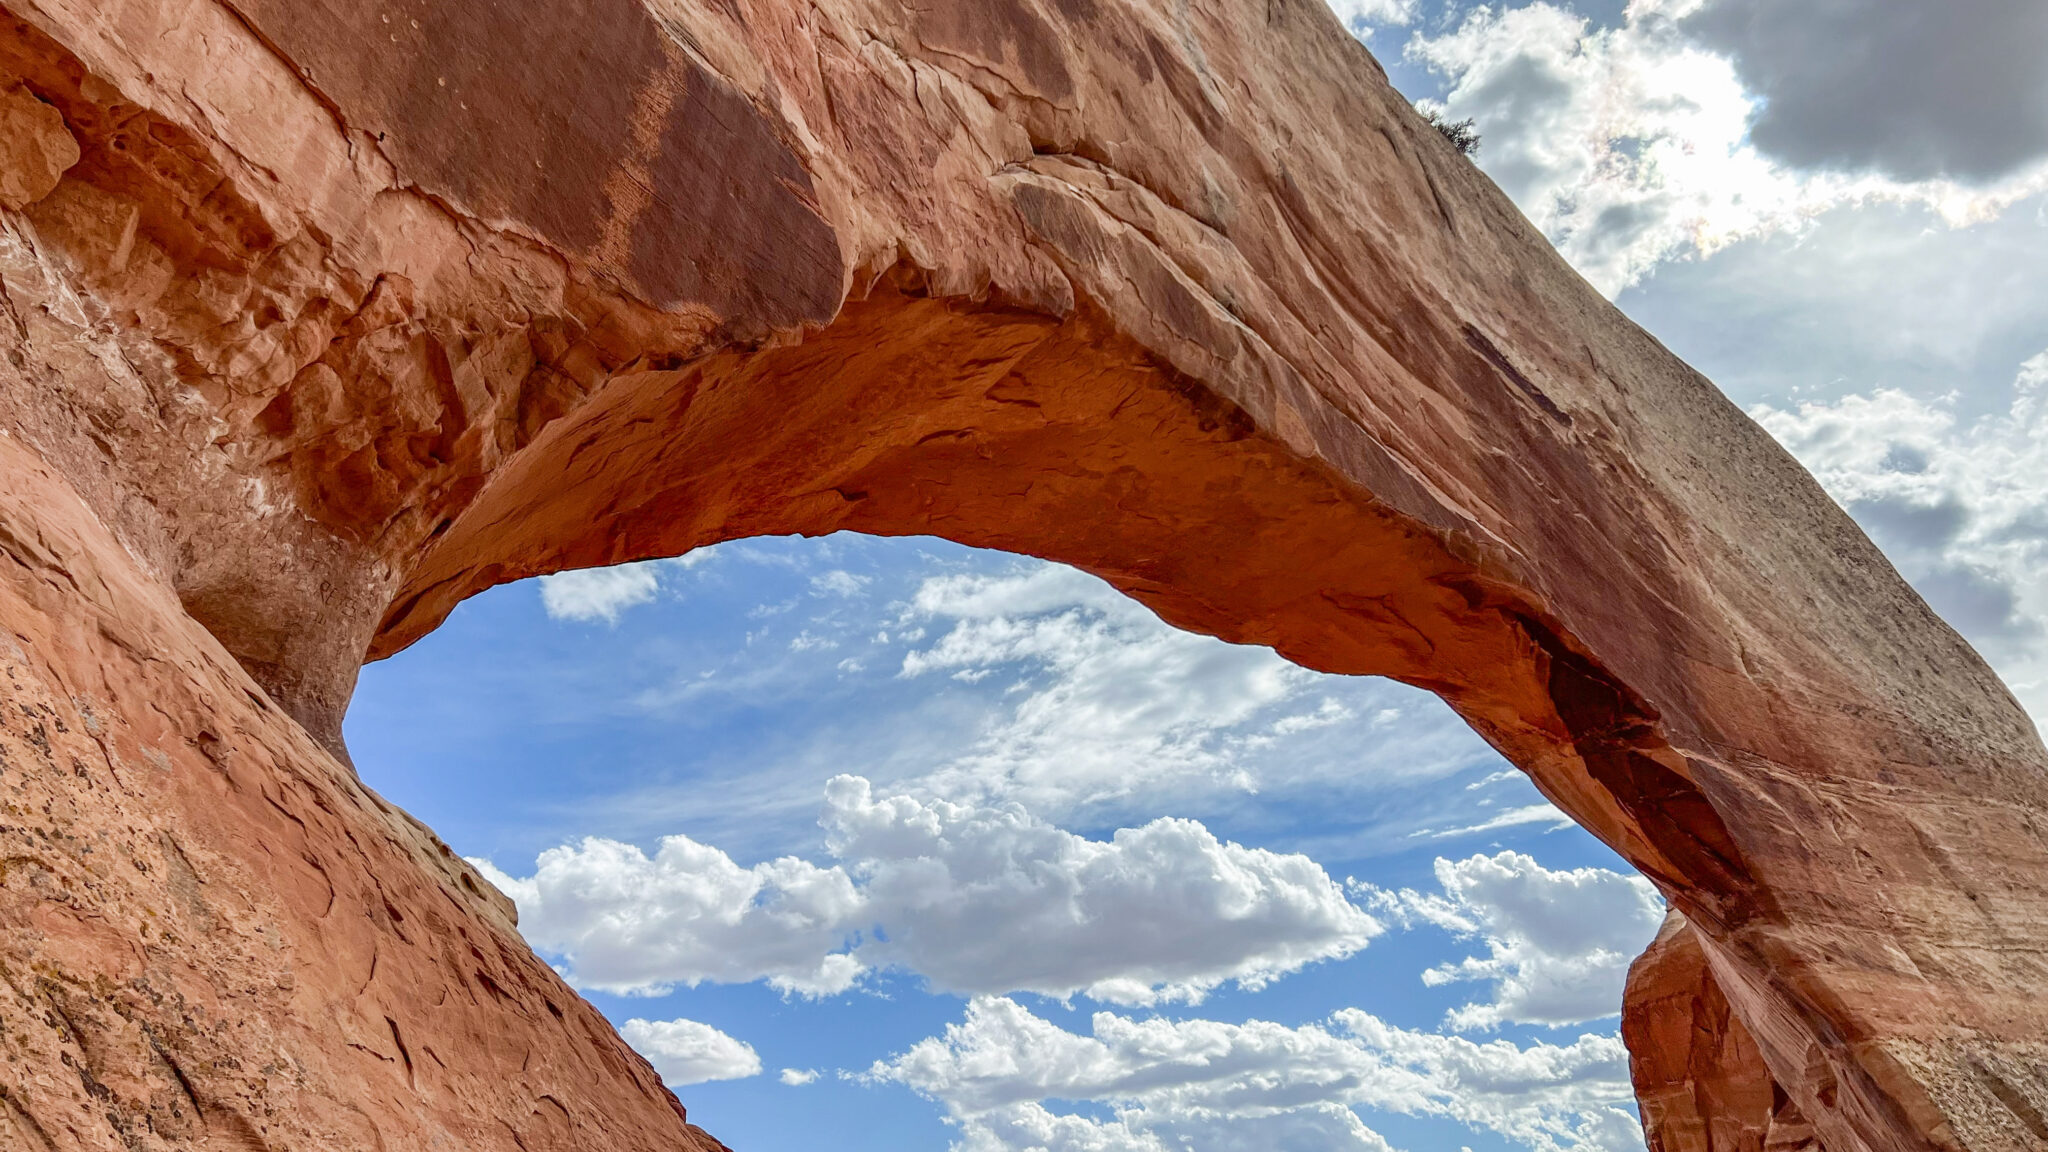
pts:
pixel 321 315
pixel 1700 1079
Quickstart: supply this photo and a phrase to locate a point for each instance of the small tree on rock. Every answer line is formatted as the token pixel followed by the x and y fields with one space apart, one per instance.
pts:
pixel 1461 133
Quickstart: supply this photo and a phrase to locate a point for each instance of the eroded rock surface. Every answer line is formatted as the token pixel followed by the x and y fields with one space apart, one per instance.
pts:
pixel 342 312
pixel 1700 1079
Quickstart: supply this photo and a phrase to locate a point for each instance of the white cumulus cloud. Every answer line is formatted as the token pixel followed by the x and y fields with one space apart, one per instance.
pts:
pixel 798 1077
pixel 974 898
pixel 1212 1085
pixel 1631 145
pixel 630 923
pixel 1362 16
pixel 992 899
pixel 686 1052
pixel 590 594
pixel 1559 942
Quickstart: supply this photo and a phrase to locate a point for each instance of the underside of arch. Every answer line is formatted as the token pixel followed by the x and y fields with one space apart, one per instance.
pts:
pixel 321 318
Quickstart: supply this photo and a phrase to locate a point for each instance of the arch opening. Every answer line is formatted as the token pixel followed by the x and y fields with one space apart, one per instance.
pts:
pixel 998 427
pixel 1008 719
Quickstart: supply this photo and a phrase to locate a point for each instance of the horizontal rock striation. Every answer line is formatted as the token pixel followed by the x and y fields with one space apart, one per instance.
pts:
pixel 321 316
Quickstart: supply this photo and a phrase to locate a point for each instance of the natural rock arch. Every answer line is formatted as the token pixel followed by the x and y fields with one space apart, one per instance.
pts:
pixel 327 315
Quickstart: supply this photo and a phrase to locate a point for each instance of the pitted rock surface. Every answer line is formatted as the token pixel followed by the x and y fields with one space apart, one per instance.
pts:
pixel 322 316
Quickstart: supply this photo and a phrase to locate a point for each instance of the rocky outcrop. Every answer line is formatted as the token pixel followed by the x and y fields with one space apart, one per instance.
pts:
pixel 39 149
pixel 214 936
pixel 328 315
pixel 1700 1079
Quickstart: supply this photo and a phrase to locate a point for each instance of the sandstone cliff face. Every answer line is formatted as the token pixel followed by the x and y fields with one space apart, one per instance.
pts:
pixel 321 316
pixel 214 937
pixel 1700 1079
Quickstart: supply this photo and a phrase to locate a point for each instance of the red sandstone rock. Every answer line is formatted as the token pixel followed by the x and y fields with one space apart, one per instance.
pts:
pixel 348 311
pixel 1700 1080
pixel 36 148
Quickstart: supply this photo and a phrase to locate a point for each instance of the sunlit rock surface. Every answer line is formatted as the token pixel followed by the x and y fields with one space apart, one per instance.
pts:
pixel 321 316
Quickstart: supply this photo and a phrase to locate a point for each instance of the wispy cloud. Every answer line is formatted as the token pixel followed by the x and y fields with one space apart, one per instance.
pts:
pixel 1115 703
pixel 1544 813
pixel 839 582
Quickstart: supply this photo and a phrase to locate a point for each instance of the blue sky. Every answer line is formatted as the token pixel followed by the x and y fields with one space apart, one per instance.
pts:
pixel 927 847
pixel 716 698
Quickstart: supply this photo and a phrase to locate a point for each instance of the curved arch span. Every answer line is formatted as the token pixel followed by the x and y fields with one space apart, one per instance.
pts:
pixel 324 318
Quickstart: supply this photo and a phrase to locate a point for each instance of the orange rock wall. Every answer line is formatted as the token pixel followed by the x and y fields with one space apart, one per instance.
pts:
pixel 321 316
pixel 214 936
pixel 1700 1080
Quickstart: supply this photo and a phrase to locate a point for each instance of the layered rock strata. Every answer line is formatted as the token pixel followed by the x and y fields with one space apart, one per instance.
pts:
pixel 321 316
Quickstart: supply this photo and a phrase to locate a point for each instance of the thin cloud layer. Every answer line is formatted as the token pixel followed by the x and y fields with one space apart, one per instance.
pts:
pixel 686 1052
pixel 1009 680
pixel 975 899
pixel 1539 813
pixel 1208 1084
pixel 1112 700
pixel 1558 943
pixel 1880 296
